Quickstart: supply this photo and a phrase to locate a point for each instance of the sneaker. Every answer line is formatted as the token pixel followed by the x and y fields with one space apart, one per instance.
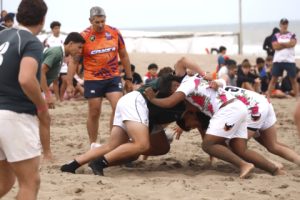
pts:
pixel 66 168
pixel 95 145
pixel 97 169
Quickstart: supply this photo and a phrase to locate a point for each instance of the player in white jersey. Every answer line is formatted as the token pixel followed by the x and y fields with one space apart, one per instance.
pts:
pixel 228 122
pixel 261 122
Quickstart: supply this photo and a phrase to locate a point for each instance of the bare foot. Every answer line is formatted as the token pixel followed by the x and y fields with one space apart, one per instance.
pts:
pixel 277 164
pixel 246 169
pixel 279 172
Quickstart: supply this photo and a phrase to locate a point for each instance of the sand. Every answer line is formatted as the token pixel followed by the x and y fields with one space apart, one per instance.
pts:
pixel 184 173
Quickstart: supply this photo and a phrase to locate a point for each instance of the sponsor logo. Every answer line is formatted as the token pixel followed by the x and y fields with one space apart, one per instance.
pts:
pixel 120 85
pixel 92 38
pixel 93 91
pixel 228 127
pixel 108 35
pixel 3 49
pixel 105 50
pixel 255 117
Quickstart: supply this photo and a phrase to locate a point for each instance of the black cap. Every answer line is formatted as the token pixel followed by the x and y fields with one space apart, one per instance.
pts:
pixel 284 21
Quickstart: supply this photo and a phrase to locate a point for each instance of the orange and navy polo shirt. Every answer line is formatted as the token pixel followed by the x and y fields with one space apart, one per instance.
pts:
pixel 100 53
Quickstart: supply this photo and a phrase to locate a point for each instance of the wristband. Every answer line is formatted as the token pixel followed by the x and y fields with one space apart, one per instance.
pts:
pixel 42 108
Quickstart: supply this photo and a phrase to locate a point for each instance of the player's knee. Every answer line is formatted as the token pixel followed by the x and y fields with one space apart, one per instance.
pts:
pixel 94 113
pixel 206 146
pixel 272 148
pixel 143 147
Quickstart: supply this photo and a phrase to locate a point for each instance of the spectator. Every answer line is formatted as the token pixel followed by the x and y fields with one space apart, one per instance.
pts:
pixel 262 71
pixel 8 21
pixel 3 14
pixel 267 46
pixel 284 58
pixel 221 57
pixel 247 79
pixel 151 74
pixel 55 39
pixel 136 78
pixel 229 72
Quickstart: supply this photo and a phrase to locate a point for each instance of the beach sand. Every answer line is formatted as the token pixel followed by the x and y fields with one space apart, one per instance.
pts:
pixel 184 173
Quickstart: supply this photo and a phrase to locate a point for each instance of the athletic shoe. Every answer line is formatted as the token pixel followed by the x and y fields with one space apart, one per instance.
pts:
pixel 97 169
pixel 95 145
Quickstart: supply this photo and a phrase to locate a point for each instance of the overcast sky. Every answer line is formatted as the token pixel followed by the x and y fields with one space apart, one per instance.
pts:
pixel 74 14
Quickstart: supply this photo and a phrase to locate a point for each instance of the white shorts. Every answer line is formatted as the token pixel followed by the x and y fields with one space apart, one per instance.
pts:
pixel 230 121
pixel 267 117
pixel 20 139
pixel 131 107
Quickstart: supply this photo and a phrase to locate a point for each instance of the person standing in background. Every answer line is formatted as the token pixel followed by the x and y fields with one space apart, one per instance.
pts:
pixel 54 40
pixel 8 21
pixel 21 102
pixel 284 44
pixel 3 14
pixel 103 45
pixel 221 57
pixel 267 46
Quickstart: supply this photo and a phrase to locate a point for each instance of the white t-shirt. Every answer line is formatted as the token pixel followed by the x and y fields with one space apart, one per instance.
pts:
pixel 286 54
pixel 223 71
pixel 199 94
pixel 53 41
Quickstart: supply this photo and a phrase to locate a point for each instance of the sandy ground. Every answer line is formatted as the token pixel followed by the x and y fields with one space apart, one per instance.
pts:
pixel 183 173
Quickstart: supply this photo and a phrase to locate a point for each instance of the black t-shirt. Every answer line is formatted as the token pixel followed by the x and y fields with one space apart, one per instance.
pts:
pixel 16 44
pixel 158 115
pixel 136 78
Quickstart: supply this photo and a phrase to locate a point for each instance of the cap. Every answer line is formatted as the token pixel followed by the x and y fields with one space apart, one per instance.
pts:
pixel 97 11
pixel 284 21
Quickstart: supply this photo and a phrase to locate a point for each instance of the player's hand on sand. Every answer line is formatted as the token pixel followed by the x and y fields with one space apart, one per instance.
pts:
pixel 177 131
pixel 50 102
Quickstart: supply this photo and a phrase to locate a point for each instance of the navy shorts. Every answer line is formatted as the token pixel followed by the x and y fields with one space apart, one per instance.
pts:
pixel 278 69
pixel 99 88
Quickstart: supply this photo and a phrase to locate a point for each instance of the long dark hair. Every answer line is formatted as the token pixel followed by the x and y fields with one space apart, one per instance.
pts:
pixel 165 84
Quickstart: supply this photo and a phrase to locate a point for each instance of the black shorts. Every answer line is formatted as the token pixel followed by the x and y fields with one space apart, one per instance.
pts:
pixel 100 87
pixel 278 69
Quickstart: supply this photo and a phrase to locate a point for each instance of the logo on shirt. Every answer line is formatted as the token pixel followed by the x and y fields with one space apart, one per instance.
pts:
pixel 3 49
pixel 228 127
pixel 108 35
pixel 92 38
pixel 105 50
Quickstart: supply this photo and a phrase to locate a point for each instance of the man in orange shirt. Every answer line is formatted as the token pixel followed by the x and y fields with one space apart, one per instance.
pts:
pixel 101 73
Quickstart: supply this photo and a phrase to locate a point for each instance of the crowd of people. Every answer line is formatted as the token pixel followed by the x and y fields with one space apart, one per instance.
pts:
pixel 228 106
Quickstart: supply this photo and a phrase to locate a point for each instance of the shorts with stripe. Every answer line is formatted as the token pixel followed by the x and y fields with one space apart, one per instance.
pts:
pixel 131 107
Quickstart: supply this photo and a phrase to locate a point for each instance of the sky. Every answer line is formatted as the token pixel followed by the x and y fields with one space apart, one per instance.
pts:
pixel 74 14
